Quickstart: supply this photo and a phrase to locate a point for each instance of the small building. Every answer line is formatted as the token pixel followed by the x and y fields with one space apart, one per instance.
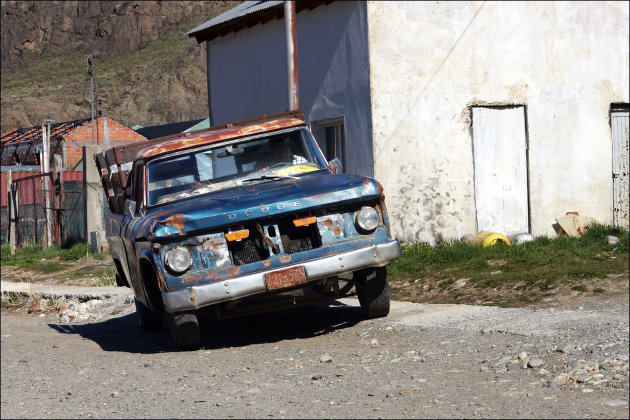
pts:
pixel 22 148
pixel 475 116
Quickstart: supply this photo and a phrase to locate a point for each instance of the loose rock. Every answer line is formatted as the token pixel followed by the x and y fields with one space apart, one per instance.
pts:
pixel 325 358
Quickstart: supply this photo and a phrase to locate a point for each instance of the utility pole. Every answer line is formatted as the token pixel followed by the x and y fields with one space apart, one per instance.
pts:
pixel 89 68
pixel 292 59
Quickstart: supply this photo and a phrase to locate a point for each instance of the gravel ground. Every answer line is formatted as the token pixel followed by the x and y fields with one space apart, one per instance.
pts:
pixel 321 361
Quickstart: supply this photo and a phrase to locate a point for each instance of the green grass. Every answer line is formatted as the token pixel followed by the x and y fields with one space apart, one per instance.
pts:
pixel 45 260
pixel 542 264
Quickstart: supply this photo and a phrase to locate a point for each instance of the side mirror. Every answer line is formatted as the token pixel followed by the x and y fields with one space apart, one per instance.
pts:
pixel 335 166
pixel 130 208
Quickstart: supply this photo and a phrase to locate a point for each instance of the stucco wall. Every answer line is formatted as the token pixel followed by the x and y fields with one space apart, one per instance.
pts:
pixel 429 62
pixel 249 77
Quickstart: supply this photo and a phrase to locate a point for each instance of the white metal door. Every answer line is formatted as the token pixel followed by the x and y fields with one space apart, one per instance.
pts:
pixel 500 158
pixel 621 168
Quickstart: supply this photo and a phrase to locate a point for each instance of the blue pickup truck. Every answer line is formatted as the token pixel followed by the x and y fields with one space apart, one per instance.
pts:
pixel 239 219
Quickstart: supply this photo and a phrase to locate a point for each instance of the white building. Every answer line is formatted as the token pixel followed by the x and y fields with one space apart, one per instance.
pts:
pixel 496 116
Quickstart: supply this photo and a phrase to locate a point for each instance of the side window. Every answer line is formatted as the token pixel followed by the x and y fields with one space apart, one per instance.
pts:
pixel 331 136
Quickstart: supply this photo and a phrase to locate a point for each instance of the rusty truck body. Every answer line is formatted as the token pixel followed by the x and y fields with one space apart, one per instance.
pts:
pixel 242 218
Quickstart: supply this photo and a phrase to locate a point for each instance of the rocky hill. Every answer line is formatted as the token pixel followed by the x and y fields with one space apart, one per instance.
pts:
pixel 146 70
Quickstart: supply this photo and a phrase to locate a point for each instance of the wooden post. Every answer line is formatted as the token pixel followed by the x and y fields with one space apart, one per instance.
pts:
pixel 35 209
pixel 15 199
pixel 11 210
pixel 58 198
pixel 45 190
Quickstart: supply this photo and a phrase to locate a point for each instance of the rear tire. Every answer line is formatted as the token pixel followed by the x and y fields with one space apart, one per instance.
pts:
pixel 148 320
pixel 184 329
pixel 120 282
pixel 373 291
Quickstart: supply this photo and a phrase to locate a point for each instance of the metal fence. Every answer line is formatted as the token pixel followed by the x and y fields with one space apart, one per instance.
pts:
pixel 74 212
pixel 27 194
pixel 33 204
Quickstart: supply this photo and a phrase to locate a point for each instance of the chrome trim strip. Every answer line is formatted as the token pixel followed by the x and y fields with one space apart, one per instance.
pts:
pixel 195 297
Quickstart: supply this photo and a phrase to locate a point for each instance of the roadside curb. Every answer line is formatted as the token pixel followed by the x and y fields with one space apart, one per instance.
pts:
pixel 54 291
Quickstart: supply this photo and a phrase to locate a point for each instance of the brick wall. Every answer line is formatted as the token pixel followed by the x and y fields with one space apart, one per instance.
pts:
pixel 83 136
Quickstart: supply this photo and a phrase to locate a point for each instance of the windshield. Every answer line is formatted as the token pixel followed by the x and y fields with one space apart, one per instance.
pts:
pixel 202 171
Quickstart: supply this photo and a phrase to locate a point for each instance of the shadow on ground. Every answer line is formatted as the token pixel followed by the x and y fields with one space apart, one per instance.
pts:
pixel 123 333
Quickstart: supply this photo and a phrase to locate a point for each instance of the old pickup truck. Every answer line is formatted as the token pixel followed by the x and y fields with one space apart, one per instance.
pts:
pixel 238 219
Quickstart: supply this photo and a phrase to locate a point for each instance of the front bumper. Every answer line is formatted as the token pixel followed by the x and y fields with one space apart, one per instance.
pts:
pixel 195 297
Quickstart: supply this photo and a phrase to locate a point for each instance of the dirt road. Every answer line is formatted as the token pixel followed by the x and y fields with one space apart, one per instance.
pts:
pixel 326 361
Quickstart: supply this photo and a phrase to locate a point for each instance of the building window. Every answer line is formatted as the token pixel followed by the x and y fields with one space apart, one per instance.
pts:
pixel 331 136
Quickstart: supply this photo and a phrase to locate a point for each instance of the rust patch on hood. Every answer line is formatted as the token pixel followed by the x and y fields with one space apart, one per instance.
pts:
pixel 177 221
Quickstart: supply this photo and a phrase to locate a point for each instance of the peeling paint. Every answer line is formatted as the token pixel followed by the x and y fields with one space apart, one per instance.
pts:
pixel 217 136
pixel 192 279
pixel 177 221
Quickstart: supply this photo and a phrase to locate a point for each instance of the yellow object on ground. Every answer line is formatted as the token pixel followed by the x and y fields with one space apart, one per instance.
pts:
pixel 489 239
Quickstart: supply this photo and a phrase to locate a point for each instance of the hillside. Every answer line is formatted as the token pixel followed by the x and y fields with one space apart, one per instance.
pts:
pixel 146 70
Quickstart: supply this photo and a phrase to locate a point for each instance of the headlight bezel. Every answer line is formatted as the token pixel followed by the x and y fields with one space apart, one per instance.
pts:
pixel 367 219
pixel 170 260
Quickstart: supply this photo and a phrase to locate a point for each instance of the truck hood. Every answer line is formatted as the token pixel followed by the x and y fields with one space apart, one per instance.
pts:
pixel 247 203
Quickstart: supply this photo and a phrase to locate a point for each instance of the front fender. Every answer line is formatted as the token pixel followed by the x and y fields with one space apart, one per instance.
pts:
pixel 152 280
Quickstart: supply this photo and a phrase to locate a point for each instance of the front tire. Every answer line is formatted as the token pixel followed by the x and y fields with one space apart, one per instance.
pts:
pixel 184 329
pixel 148 320
pixel 373 291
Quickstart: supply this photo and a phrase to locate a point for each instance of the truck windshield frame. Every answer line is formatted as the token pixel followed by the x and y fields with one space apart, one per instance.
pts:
pixel 206 170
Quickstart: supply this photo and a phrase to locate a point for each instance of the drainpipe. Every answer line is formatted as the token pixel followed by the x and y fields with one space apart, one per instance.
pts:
pixel 292 64
pixel 210 118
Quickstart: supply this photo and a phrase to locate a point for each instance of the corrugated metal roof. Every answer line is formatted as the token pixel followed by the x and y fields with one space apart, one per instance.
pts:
pixel 57 130
pixel 243 9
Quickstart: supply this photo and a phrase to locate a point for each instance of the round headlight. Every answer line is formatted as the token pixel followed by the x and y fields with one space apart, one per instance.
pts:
pixel 367 219
pixel 178 259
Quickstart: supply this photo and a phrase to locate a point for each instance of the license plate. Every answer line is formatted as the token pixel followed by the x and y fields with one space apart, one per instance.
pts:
pixel 285 278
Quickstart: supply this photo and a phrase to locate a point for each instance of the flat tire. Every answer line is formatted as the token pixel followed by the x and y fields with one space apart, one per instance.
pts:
pixel 184 330
pixel 372 287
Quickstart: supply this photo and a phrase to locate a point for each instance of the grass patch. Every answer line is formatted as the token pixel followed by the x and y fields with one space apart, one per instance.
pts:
pixel 532 268
pixel 44 260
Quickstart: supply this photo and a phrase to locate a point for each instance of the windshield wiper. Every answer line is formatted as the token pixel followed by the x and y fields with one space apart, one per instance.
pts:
pixel 258 178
